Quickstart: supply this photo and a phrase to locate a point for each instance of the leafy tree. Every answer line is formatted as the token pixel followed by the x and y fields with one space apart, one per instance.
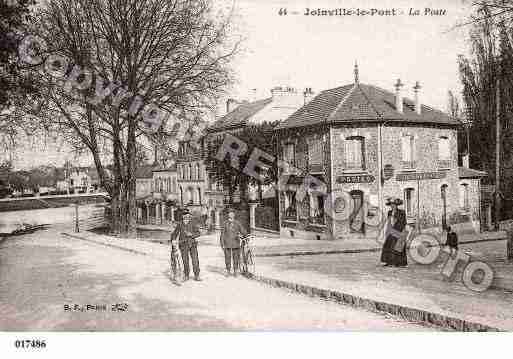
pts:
pixel 16 84
pixel 174 54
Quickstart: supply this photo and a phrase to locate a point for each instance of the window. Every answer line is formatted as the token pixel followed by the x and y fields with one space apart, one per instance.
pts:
pixel 444 149
pixel 290 205
pixel 199 196
pixel 198 171
pixel 409 201
pixel 174 185
pixel 354 153
pixel 408 151
pixel 464 196
pixel 190 172
pixel 317 209
pixel 315 155
pixel 289 153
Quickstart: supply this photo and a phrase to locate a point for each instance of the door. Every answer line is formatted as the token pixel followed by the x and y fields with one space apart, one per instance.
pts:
pixel 356 219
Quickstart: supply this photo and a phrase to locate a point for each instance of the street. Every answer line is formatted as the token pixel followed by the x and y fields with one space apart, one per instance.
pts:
pixel 49 282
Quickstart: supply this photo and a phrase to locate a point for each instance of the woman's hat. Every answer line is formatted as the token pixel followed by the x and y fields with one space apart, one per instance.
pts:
pixel 397 201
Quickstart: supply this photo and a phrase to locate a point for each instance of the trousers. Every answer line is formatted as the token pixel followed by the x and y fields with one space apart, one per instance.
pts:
pixel 190 249
pixel 231 254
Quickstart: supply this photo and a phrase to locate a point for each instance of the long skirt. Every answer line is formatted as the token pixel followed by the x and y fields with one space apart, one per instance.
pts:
pixel 390 256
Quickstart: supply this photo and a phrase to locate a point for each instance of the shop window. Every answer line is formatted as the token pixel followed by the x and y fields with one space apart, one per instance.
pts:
pixel 355 153
pixel 317 209
pixel 290 205
pixel 409 205
pixel 198 171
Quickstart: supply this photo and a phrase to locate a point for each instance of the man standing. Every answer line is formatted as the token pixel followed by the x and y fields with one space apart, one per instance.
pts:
pixel 230 242
pixel 186 234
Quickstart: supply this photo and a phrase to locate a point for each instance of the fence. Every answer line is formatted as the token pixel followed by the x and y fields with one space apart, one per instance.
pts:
pixel 94 218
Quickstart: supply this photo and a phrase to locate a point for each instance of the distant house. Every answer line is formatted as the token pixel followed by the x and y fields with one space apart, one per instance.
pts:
pixel 156 193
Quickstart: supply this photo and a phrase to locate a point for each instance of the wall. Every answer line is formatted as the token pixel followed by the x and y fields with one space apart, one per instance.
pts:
pixel 427 191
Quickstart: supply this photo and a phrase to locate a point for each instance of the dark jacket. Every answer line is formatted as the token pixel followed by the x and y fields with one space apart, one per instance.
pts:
pixel 230 234
pixel 400 222
pixel 185 233
pixel 452 239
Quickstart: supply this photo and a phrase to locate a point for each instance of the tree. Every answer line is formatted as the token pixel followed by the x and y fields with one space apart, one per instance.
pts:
pixel 256 136
pixel 487 76
pixel 111 68
pixel 15 83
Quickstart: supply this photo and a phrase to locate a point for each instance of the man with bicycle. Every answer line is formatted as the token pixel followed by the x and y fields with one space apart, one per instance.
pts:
pixel 231 233
pixel 185 238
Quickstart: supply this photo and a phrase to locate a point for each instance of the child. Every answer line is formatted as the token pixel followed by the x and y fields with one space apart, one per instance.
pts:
pixel 452 240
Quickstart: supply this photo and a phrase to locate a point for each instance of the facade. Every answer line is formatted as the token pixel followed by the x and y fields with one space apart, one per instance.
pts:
pixel 366 144
pixel 156 192
pixel 196 191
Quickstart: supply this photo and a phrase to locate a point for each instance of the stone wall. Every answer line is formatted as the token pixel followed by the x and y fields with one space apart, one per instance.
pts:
pixel 427 201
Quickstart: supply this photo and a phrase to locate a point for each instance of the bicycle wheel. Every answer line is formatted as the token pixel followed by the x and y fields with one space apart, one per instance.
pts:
pixel 250 263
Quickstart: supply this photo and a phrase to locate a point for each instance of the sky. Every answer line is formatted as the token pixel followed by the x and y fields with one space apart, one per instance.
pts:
pixel 320 52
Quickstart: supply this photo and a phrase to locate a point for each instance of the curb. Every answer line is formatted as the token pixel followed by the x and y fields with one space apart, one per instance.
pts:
pixel 352 251
pixel 410 314
pixel 313 252
pixel 105 244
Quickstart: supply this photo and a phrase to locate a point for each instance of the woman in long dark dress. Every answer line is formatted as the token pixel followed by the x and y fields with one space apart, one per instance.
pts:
pixel 396 224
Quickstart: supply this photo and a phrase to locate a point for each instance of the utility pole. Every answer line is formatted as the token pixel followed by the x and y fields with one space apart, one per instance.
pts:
pixel 497 145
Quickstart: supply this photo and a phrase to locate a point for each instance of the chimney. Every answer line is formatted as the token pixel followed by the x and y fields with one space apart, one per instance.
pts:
pixel 231 104
pixel 398 96
pixel 416 90
pixel 465 159
pixel 308 95
pixel 287 97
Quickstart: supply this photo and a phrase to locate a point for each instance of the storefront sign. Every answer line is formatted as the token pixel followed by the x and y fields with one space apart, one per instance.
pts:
pixel 420 176
pixel 355 179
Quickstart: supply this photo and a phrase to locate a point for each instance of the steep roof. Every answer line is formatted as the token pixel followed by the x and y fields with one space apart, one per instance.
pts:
pixel 239 116
pixel 465 172
pixel 362 103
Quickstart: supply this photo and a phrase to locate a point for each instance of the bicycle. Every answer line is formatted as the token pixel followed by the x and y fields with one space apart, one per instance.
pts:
pixel 248 263
pixel 178 276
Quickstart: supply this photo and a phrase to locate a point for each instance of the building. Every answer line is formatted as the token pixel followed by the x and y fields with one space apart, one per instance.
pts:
pixel 156 193
pixel 198 190
pixel 366 144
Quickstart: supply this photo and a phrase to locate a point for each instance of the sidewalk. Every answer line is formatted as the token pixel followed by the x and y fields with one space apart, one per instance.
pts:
pixel 418 286
pixel 270 246
pixel 416 293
